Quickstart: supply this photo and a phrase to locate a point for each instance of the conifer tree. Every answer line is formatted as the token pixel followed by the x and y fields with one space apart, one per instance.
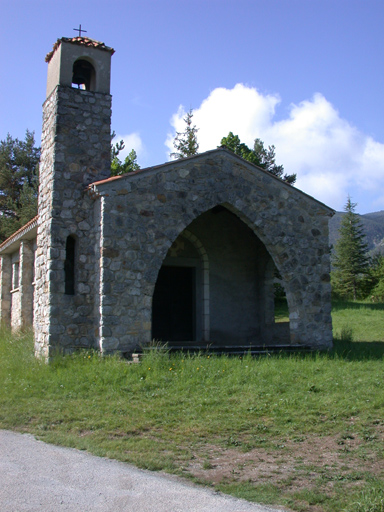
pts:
pixel 117 147
pixel 129 165
pixel 185 142
pixel 259 155
pixel 350 259
pixel 19 166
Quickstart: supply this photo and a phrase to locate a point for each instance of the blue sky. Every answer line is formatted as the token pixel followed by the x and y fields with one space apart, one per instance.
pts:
pixel 304 75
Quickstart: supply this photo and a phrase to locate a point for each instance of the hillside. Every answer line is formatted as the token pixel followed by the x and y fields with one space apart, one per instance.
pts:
pixel 373 224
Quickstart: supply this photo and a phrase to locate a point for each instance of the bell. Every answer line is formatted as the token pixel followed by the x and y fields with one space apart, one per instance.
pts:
pixel 81 74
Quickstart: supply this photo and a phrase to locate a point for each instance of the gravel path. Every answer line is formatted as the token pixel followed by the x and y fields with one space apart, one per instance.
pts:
pixel 35 476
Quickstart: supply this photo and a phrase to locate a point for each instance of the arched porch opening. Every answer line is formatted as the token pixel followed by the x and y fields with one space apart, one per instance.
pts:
pixel 216 285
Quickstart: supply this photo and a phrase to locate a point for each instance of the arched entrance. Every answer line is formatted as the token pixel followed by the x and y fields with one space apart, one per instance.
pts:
pixel 216 286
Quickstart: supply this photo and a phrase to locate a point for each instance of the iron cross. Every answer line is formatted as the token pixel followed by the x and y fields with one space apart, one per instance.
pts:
pixel 80 30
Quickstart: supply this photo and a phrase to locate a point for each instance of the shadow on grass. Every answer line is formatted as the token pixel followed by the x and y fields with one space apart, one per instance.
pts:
pixel 357 350
pixel 338 305
pixel 347 350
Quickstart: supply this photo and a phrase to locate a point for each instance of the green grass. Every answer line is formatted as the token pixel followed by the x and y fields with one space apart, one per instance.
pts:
pixel 281 310
pixel 364 319
pixel 178 413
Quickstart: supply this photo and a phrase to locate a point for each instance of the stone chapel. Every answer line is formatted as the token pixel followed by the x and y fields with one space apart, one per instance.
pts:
pixel 182 252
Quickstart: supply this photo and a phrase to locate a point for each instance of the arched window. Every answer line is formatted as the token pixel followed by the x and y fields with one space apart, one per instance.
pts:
pixel 83 75
pixel 69 266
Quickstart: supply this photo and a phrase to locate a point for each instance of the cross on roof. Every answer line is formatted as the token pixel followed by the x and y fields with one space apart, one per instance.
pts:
pixel 80 30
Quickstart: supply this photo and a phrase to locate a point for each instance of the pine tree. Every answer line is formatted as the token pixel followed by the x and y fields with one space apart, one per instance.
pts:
pixel 185 142
pixel 117 147
pixel 129 165
pixel 350 259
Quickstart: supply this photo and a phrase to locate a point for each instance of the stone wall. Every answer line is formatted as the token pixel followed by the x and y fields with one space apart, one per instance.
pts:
pixel 5 289
pixel 17 289
pixel 75 152
pixel 143 214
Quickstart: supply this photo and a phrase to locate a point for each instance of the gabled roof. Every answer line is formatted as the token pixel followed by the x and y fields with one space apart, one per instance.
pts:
pixel 180 163
pixel 94 189
pixel 81 41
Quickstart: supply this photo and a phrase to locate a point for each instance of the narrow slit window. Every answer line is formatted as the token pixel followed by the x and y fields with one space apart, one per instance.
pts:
pixel 15 275
pixel 69 266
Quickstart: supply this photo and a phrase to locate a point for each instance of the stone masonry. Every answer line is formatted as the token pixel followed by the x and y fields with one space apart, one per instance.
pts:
pixel 75 152
pixel 143 214
pixel 17 257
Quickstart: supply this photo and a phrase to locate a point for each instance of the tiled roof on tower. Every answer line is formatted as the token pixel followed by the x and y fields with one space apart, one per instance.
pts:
pixel 81 41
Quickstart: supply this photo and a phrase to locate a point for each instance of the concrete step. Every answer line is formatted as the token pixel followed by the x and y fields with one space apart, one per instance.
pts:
pixel 215 348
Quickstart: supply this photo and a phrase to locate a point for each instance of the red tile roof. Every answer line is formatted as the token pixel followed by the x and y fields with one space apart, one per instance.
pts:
pixel 82 41
pixel 20 232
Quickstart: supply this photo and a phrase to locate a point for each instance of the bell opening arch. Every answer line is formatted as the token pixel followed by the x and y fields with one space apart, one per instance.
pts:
pixel 84 75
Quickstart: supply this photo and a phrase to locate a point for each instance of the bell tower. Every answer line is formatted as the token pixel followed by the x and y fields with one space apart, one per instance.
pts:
pixel 75 152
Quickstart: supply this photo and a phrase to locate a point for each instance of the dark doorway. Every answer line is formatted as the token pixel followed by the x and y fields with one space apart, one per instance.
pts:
pixel 173 305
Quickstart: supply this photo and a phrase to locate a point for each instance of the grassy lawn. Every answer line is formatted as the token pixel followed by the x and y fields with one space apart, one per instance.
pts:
pixel 363 320
pixel 302 431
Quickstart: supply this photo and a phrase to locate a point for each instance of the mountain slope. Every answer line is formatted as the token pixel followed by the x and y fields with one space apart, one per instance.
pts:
pixel 373 225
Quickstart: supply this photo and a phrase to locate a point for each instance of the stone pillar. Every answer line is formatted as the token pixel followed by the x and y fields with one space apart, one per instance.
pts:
pixel 5 289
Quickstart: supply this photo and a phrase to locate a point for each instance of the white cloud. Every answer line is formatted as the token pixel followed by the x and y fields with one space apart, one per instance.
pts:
pixel 242 110
pixel 131 141
pixel 331 157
